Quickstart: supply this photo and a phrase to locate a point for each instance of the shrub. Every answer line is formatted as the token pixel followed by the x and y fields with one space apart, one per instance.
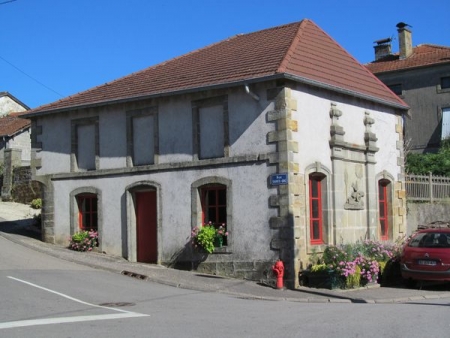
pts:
pixel 36 203
pixel 84 240
pixel 205 237
pixel 353 280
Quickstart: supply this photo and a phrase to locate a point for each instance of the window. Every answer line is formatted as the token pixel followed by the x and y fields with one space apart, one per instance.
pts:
pixel 142 137
pixel 430 240
pixel 396 88
pixel 211 134
pixel 85 145
pixel 445 82
pixel 384 203
pixel 214 205
pixel 445 124
pixel 87 212
pixel 317 203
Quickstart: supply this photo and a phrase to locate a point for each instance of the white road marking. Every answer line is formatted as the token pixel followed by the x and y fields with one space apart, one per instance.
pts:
pixel 45 321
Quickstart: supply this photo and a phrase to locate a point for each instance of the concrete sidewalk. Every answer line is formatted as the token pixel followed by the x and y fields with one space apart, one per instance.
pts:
pixel 18 229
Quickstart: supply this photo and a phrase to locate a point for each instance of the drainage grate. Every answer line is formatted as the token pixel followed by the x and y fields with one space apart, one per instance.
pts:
pixel 134 275
pixel 118 304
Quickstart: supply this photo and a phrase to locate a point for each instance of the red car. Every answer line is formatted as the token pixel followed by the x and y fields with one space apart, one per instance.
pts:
pixel 427 256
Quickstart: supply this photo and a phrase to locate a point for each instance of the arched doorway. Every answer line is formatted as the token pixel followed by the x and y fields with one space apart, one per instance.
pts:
pixel 146 226
pixel 143 222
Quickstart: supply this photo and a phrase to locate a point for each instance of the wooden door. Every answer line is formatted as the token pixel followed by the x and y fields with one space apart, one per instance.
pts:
pixel 146 229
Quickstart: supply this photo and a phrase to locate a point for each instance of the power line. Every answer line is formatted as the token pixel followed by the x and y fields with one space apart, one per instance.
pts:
pixel 5 2
pixel 37 81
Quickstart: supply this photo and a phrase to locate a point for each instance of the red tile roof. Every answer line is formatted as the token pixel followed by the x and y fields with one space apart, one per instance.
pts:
pixel 12 124
pixel 423 55
pixel 299 50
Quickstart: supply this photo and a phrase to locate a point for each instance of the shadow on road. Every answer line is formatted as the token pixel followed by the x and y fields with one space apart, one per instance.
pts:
pixel 25 227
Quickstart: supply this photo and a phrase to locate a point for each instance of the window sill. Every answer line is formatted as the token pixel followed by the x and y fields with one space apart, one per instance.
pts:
pixel 439 90
pixel 222 251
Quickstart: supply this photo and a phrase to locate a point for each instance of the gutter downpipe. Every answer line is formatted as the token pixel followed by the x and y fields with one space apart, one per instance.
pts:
pixel 253 95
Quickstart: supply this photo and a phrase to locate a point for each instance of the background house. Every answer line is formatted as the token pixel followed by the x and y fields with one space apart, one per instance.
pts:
pixel 421 76
pixel 279 134
pixel 14 131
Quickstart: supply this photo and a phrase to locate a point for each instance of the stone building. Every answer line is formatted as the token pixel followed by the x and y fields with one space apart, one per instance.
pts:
pixel 421 77
pixel 280 134
pixel 14 131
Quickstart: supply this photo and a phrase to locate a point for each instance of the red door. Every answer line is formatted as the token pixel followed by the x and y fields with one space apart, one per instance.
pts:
pixel 146 232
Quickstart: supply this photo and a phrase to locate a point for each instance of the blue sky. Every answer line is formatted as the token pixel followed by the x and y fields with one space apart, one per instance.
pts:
pixel 55 48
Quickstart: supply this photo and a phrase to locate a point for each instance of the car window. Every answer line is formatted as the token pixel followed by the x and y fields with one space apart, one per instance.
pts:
pixel 414 242
pixel 430 240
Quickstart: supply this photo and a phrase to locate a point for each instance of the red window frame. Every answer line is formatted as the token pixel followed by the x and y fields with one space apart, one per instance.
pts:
pixel 214 204
pixel 87 212
pixel 315 209
pixel 383 207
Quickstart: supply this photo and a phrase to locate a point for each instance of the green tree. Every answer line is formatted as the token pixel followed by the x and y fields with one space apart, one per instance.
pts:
pixel 438 164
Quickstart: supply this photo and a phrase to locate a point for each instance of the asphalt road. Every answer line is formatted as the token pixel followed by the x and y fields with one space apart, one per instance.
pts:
pixel 43 296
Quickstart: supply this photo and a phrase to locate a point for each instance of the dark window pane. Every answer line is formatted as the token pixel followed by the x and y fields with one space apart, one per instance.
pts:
pixel 211 217
pixel 383 227
pixel 211 197
pixel 316 230
pixel 314 190
pixel 445 82
pixel 87 204
pixel 222 215
pixel 381 192
pixel 222 197
pixel 382 205
pixel 94 225
pixel 315 208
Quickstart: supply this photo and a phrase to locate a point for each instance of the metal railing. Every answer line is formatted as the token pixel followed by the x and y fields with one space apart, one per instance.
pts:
pixel 427 187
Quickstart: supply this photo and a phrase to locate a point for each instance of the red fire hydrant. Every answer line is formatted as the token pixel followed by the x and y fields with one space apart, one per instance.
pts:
pixel 278 270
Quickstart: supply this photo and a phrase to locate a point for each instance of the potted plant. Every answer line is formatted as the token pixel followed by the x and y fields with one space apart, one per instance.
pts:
pixel 84 240
pixel 221 233
pixel 208 237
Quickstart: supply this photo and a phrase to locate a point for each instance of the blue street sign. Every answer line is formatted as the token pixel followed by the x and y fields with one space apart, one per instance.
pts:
pixel 279 179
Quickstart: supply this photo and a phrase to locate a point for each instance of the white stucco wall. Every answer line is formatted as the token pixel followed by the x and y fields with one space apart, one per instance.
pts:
pixel 249 230
pixel 313 116
pixel 21 141
pixel 7 105
pixel 247 130
pixel 346 223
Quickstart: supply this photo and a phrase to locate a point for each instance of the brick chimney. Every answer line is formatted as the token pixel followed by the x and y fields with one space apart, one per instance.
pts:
pixel 404 40
pixel 383 48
